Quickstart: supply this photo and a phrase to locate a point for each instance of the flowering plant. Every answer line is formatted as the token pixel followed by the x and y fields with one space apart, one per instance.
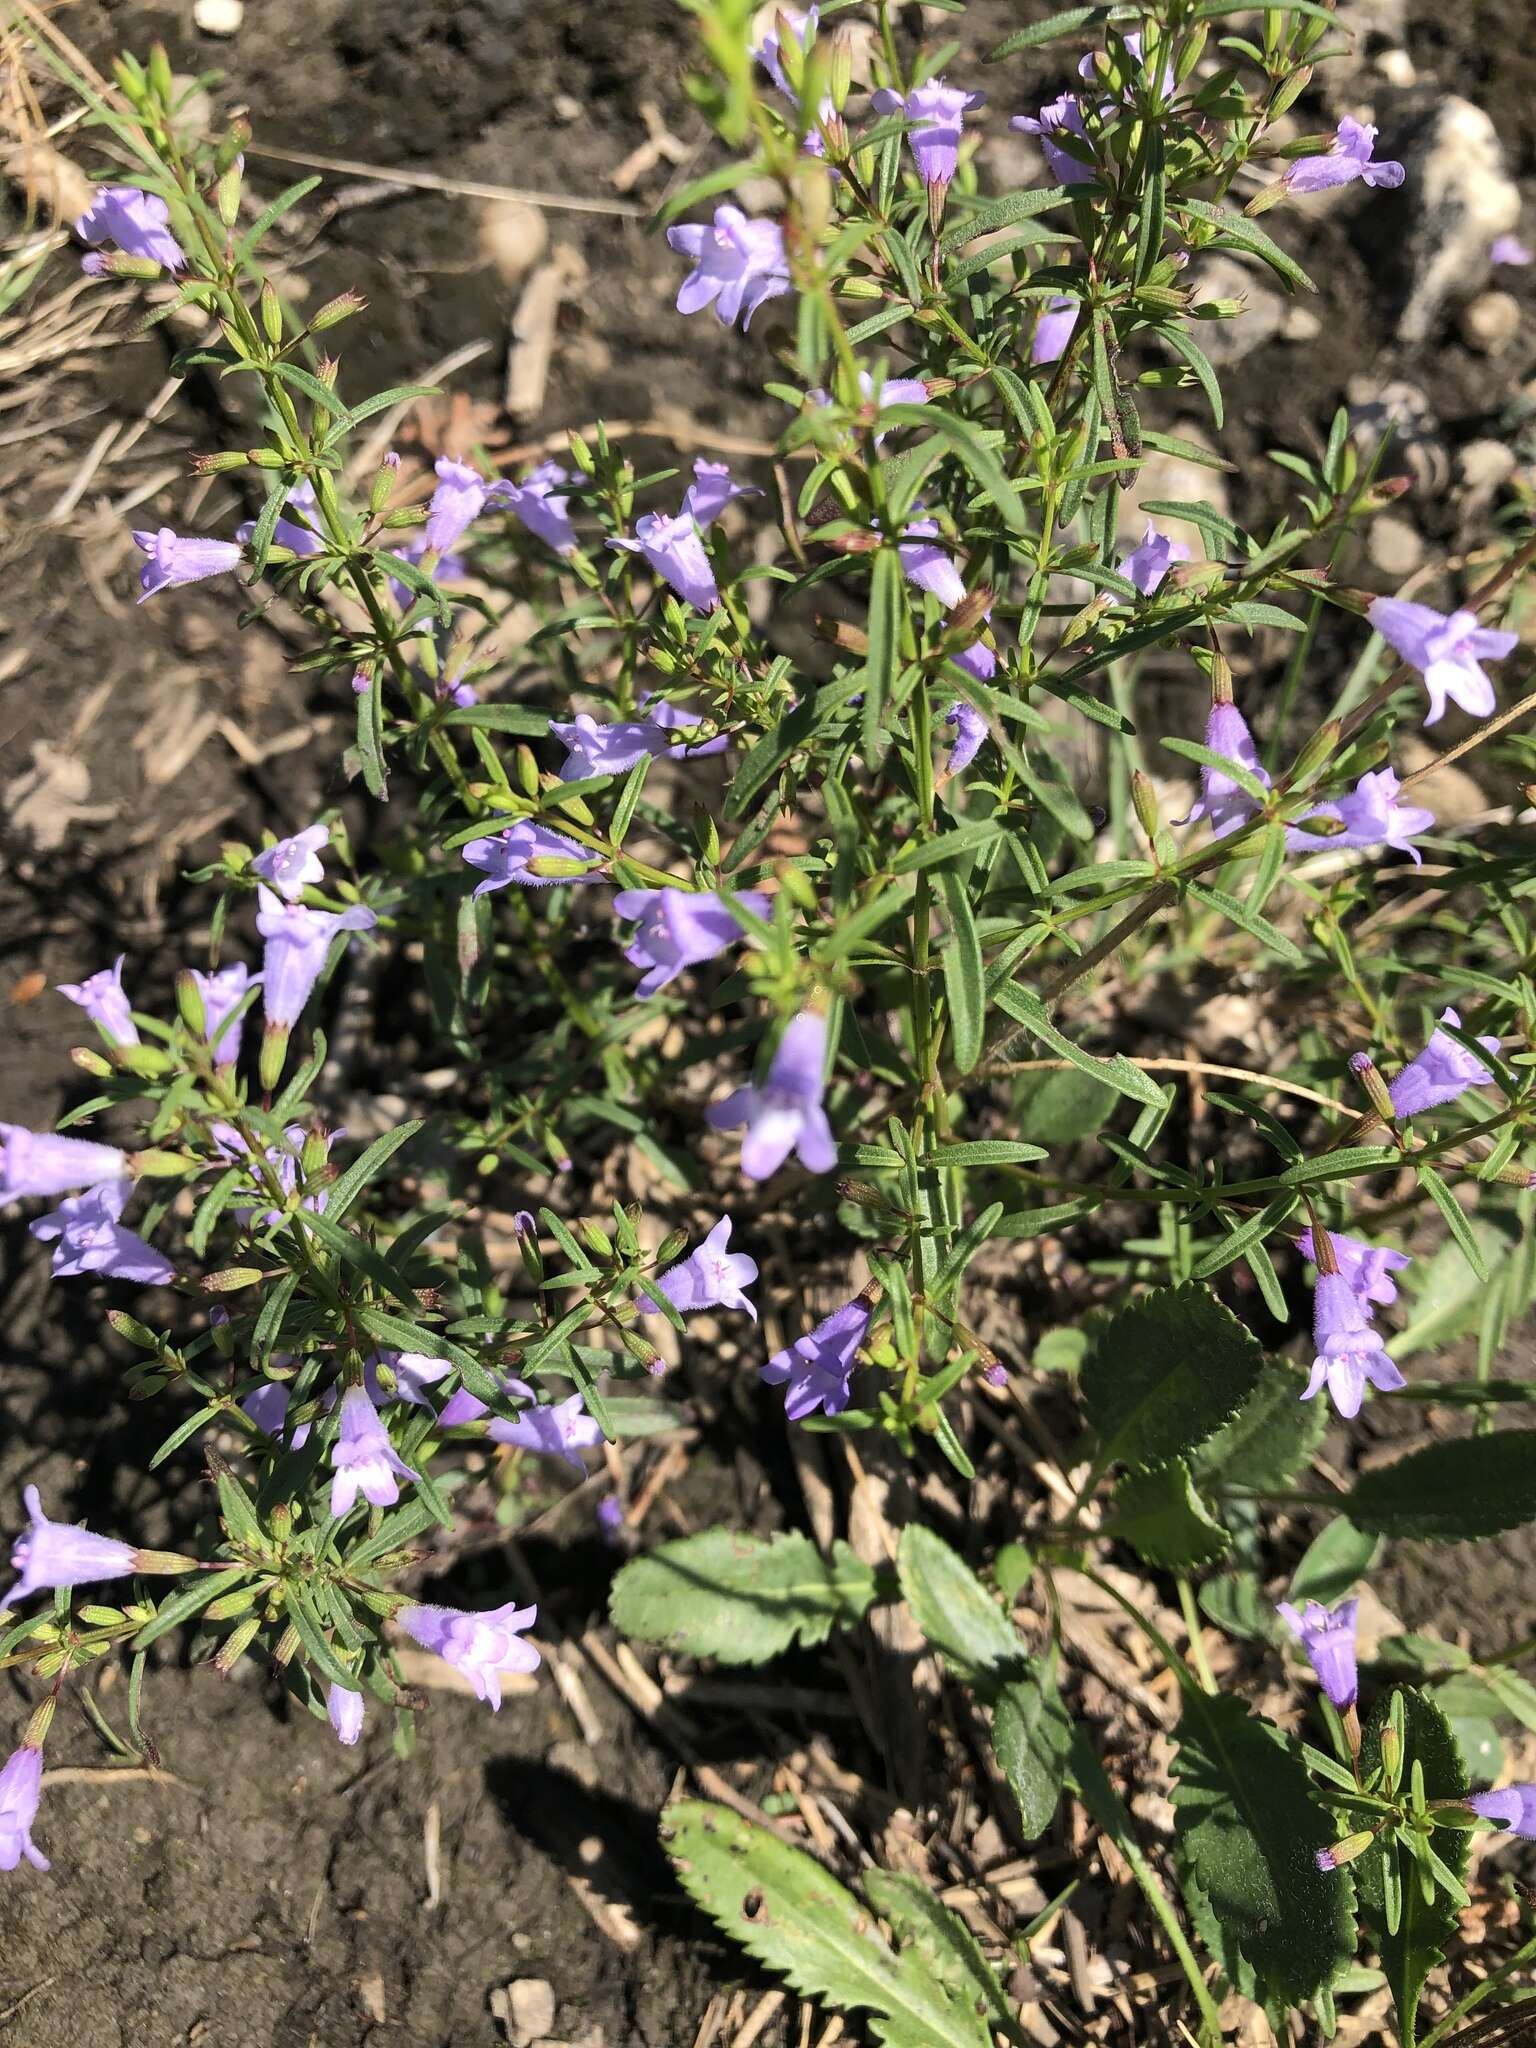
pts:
pixel 898 865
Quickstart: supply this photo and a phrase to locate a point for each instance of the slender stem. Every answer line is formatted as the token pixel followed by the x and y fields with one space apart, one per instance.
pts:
pixel 1191 1616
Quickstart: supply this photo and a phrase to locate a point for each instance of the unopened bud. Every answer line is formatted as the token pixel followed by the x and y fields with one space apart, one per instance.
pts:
pixel 287 1646
pixel 1082 624
pixel 1144 803
pixel 334 311
pixel 1191 52
pixel 271 313
pixel 1318 751
pixel 90 1062
pixel 407 515
pixel 860 288
pixel 527 770
pixel 281 1522
pixel 582 456
pixel 222 1331
pixel 326 371
pixel 839 55
pixel 189 1003
pixel 230 1279
pixel 967 615
pixel 1391 1756
pixel 231 145
pixel 1289 90
pixel 1319 827
pixel 315 1154
pixel 1164 298
pixel 1513 1176
pixel 1345 1851
pixel 219 461
pixel 597 1239
pixel 1218 309
pixel 162 80
pixel 1385 491
pixel 226 195
pixel 1372 1080
pixel 671 1248
pixel 130 1327
pixel 229 1605
pixel 235 1645
pixel 274 1051
pixel 385 477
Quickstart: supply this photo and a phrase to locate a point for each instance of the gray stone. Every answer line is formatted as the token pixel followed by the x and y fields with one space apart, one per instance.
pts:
pixel 1463 197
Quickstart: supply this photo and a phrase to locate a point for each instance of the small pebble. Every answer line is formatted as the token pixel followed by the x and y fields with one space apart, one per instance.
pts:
pixel 1490 322
pixel 218 17
pixel 1395 545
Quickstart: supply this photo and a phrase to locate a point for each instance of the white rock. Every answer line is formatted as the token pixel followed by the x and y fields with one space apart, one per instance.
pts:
pixel 1397 68
pixel 1416 437
pixel 530 2010
pixel 512 237
pixel 1395 545
pixel 218 17
pixel 1463 200
pixel 1490 322
pixel 1300 324
pixel 1484 465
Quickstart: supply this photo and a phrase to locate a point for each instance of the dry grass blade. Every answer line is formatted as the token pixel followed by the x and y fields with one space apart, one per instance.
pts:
pixel 466 188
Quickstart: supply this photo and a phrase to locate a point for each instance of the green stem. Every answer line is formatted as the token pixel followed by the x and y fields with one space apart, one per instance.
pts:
pixel 1191 1616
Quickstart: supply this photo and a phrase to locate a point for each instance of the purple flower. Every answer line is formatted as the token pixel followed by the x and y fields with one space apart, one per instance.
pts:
pixel 1514 1807
pixel 509 857
pixel 93 1240
pixel 678 928
pixel 675 552
pixel 979 661
pixel 300 540
pixel 345 1711
pixel 1440 1072
pixel 137 222
pixel 21 1788
pixel 673 718
pixel 461 496
pixel 1370 816
pixel 1053 330
pixel 1446 649
pixel 43 1163
pixel 816 1370
pixel 293 865
pixel 1348 158
pixel 1349 1347
pixel 482 1646
pixel 710 1277
pixel 1367 1267
pixel 938 112
pixel 889 391
pixel 1225 802
pixel 594 749
pixel 286 1162
pixel 555 1429
pixel 298 940
pixel 785 1115
pixel 222 992
pixel 712 489
pixel 267 1406
pixel 102 999
pixel 540 504
pixel 53 1554
pixel 1510 249
pixel 451 568
pixel 1147 564
pixel 1059 117
pixel 738 265
pixel 801 23
pixel 928 566
pixel 610 1517
pixel 970 732
pixel 1328 1637
pixel 363 1457
pixel 176 558
pixel 414 1372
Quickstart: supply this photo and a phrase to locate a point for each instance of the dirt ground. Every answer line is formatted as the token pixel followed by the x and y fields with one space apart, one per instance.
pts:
pixel 281 1892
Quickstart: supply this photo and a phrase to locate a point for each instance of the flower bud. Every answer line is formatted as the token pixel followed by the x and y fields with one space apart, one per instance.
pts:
pixel 316 1152
pixel 189 1003
pixel 241 1601
pixel 226 195
pixel 597 1239
pixel 839 48
pixel 334 311
pixel 221 460
pixel 232 145
pixel 235 1645
pixel 671 1248
pixel 1371 1079
pixel 967 616
pixel 385 477
pixel 222 1331
pixel 130 1327
pixel 860 288
pixel 230 1279
pixel 91 1062
pixel 287 1646
pixel 582 456
pixel 1192 51
pixel 1391 1757
pixel 1164 298
pixel 162 80
pixel 1318 751
pixel 527 770
pixel 408 515
pixel 1288 91
pixel 1345 1851
pixel 1513 1176
pixel 1218 309
pixel 1144 802
pixel 274 1051
pixel 271 313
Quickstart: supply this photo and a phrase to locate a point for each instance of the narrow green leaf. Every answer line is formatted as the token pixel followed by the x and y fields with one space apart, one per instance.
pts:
pixel 964 985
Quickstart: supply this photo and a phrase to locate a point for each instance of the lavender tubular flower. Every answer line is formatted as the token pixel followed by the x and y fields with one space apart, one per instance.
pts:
pixel 555 1429
pixel 21 1791
pixel 102 999
pixel 801 24
pixel 712 489
pixel 937 112
pixel 1053 330
pixel 414 1372
pixel 297 942
pixel 1372 815
pixel 363 1458
pixel 49 1555
pixel 1328 1637
pixel 675 552
pixel 539 502
pixel 482 1646
pixel 222 993
pixel 267 1406
pixel 91 1239
pixel 299 540
pixel 1514 1807
pixel 816 1371
pixel 1350 1352
pixel 970 733
pixel 594 749
pixel 458 501
pixel 1349 157
pixel 136 222
pixel 1223 800
pixel 1447 649
pixel 174 559
pixel 1149 562
pixel 509 856
pixel 293 865
pixel 1441 1072
pixel 1063 116
pixel 1367 1267
pixel 785 1115
pixel 680 928
pixel 739 264
pixel 710 1277
pixel 344 1709
pixel 927 566
pixel 43 1163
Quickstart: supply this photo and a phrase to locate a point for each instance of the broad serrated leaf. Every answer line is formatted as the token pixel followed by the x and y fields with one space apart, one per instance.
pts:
pixel 1159 1513
pixel 1269 1439
pixel 1166 1373
pixel 1031 1734
pixel 1426 1926
pixel 1248 1834
pixel 739 1598
pixel 1451 1492
pixel 789 1913
pixel 940 1940
pixel 953 1608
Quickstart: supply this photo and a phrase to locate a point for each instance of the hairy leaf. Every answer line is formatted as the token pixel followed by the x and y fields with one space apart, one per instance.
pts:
pixel 1159 1513
pixel 953 1609
pixel 739 1598
pixel 1451 1492
pixel 1166 1373
pixel 1031 1734
pixel 1269 1439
